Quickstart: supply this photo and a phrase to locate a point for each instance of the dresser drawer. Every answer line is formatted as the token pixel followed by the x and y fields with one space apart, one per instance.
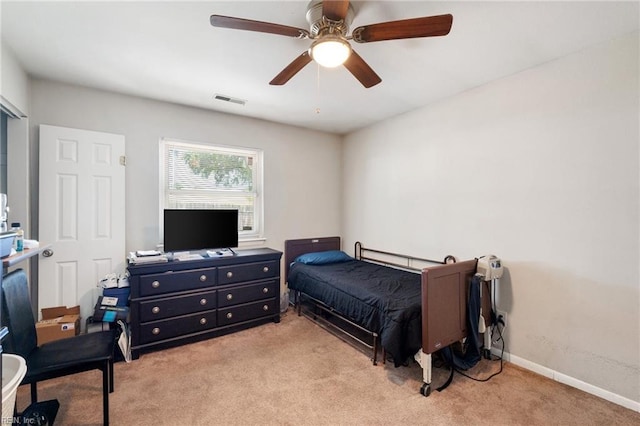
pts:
pixel 178 326
pixel 247 293
pixel 167 282
pixel 177 305
pixel 248 272
pixel 247 311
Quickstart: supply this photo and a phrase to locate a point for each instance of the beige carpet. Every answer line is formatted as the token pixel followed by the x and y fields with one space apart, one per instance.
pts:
pixel 295 373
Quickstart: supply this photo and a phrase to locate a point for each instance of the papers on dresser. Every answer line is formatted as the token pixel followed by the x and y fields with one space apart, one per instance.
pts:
pixel 141 253
pixel 156 258
pixel 219 253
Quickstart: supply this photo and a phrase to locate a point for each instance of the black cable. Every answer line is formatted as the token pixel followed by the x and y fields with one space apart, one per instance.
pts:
pixel 501 359
pixel 494 326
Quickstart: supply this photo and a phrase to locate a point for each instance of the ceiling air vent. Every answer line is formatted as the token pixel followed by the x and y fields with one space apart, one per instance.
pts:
pixel 226 98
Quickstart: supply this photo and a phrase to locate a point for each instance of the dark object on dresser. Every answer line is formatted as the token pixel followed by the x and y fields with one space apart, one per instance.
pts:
pixel 178 302
pixel 59 358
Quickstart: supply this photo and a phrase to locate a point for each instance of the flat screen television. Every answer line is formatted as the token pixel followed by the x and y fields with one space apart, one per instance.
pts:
pixel 192 230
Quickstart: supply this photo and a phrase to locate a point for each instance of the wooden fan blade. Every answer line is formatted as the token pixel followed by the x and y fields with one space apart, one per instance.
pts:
pixel 259 26
pixel 428 26
pixel 292 69
pixel 335 10
pixel 361 70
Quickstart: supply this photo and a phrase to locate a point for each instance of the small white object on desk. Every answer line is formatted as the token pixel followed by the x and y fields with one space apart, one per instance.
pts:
pixel 31 244
pixel 219 253
pixel 189 257
pixel 142 253
pixel 133 259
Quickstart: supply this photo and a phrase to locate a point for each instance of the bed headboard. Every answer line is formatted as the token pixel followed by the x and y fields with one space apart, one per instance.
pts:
pixel 294 248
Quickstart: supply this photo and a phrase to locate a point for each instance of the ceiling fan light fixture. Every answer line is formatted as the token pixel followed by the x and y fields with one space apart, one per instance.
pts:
pixel 330 51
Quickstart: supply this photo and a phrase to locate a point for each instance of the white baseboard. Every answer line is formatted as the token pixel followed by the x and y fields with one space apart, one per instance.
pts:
pixel 570 381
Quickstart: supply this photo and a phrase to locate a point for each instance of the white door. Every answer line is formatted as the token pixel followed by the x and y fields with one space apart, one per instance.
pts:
pixel 81 213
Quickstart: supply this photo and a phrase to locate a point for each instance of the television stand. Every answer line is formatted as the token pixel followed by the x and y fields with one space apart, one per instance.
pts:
pixel 174 302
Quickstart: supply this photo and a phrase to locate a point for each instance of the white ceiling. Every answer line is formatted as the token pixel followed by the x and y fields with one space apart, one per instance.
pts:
pixel 168 51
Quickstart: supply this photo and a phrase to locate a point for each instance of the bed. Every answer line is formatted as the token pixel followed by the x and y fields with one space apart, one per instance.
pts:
pixel 407 310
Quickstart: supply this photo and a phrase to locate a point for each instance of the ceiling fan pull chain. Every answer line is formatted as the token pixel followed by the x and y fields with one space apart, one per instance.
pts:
pixel 317 88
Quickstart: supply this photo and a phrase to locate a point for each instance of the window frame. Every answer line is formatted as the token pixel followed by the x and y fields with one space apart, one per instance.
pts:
pixel 258 181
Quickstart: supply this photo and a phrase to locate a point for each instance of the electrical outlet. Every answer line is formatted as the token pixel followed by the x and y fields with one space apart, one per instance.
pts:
pixel 501 317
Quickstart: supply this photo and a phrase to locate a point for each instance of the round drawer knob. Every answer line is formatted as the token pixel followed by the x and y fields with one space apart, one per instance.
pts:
pixel 229 296
pixel 203 302
pixel 155 284
pixel 156 330
pixel 229 274
pixel 265 308
pixel 203 278
pixel 265 290
pixel 203 321
pixel 155 309
pixel 229 315
pixel 265 269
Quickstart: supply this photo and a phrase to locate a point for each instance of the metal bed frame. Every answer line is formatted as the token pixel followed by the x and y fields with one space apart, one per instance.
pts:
pixel 410 260
pixel 340 332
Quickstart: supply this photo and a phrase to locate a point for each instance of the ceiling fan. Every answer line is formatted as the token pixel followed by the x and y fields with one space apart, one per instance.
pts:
pixel 329 22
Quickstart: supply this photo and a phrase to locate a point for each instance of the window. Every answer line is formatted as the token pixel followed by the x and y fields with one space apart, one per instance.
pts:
pixel 204 176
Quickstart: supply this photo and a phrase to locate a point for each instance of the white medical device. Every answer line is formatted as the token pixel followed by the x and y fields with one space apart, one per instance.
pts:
pixel 490 267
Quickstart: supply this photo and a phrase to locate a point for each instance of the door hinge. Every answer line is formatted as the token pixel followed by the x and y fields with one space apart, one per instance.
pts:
pixel 123 160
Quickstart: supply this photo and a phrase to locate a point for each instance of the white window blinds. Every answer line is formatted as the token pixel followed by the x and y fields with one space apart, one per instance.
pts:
pixel 203 176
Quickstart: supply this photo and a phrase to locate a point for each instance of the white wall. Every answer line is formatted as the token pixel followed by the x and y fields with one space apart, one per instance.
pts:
pixel 14 82
pixel 542 169
pixel 302 169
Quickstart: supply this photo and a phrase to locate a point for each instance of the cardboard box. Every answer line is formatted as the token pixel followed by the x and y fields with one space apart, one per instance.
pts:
pixel 58 323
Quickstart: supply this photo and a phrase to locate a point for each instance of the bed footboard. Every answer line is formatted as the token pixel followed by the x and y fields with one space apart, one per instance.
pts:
pixel 444 311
